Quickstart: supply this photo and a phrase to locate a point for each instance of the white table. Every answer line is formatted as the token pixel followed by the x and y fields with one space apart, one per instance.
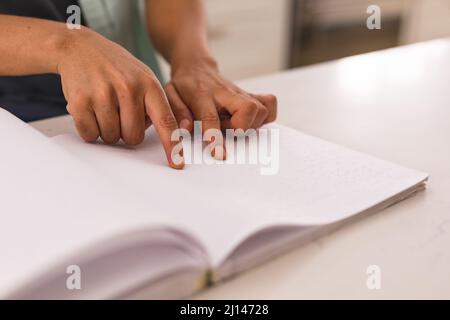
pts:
pixel 394 104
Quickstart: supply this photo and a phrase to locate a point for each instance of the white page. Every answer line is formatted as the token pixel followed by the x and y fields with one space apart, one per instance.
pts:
pixel 317 183
pixel 52 205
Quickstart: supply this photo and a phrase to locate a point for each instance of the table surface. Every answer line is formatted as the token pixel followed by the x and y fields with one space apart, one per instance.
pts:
pixel 393 104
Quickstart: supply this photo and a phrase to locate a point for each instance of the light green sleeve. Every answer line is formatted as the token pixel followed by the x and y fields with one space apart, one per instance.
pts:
pixel 124 23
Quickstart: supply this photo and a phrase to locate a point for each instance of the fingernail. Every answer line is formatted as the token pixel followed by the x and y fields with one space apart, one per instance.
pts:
pixel 184 124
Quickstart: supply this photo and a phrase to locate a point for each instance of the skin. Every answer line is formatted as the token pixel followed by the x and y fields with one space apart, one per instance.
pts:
pixel 112 95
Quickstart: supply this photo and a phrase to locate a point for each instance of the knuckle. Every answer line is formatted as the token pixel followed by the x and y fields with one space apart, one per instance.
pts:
pixel 104 91
pixel 210 117
pixel 250 106
pixel 104 96
pixel 184 85
pixel 86 132
pixel 151 83
pixel 202 90
pixel 126 87
pixel 82 126
pixel 89 136
pixel 181 113
pixel 263 112
pixel 172 99
pixel 105 109
pixel 79 101
pixel 168 122
pixel 168 87
pixel 110 138
pixel 78 115
pixel 272 100
pixel 133 140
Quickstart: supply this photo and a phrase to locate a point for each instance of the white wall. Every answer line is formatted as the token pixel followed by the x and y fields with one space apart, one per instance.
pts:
pixel 426 20
pixel 248 37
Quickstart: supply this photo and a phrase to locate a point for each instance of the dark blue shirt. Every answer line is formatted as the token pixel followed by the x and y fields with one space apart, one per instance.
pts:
pixel 38 96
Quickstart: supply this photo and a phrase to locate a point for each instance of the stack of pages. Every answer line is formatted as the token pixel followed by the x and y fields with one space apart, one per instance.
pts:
pixel 135 228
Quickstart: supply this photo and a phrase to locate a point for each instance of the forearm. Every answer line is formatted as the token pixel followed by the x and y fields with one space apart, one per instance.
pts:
pixel 31 46
pixel 178 30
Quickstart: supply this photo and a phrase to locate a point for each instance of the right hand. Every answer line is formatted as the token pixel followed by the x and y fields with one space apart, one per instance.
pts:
pixel 111 94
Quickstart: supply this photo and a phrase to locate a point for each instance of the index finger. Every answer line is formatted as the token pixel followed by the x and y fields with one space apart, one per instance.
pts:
pixel 158 109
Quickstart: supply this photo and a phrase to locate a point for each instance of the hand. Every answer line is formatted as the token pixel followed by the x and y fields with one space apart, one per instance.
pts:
pixel 197 91
pixel 111 94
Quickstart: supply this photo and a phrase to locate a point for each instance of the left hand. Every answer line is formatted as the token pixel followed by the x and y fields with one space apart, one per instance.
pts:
pixel 197 91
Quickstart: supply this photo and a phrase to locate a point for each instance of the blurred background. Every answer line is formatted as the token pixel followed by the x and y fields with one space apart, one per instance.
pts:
pixel 255 37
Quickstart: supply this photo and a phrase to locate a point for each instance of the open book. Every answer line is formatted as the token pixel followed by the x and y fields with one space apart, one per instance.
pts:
pixel 134 228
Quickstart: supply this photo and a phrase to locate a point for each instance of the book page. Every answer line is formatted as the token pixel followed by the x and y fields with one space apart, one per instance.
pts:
pixel 314 182
pixel 53 206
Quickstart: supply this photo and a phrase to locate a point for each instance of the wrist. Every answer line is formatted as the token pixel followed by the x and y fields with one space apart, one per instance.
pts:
pixel 65 43
pixel 190 60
